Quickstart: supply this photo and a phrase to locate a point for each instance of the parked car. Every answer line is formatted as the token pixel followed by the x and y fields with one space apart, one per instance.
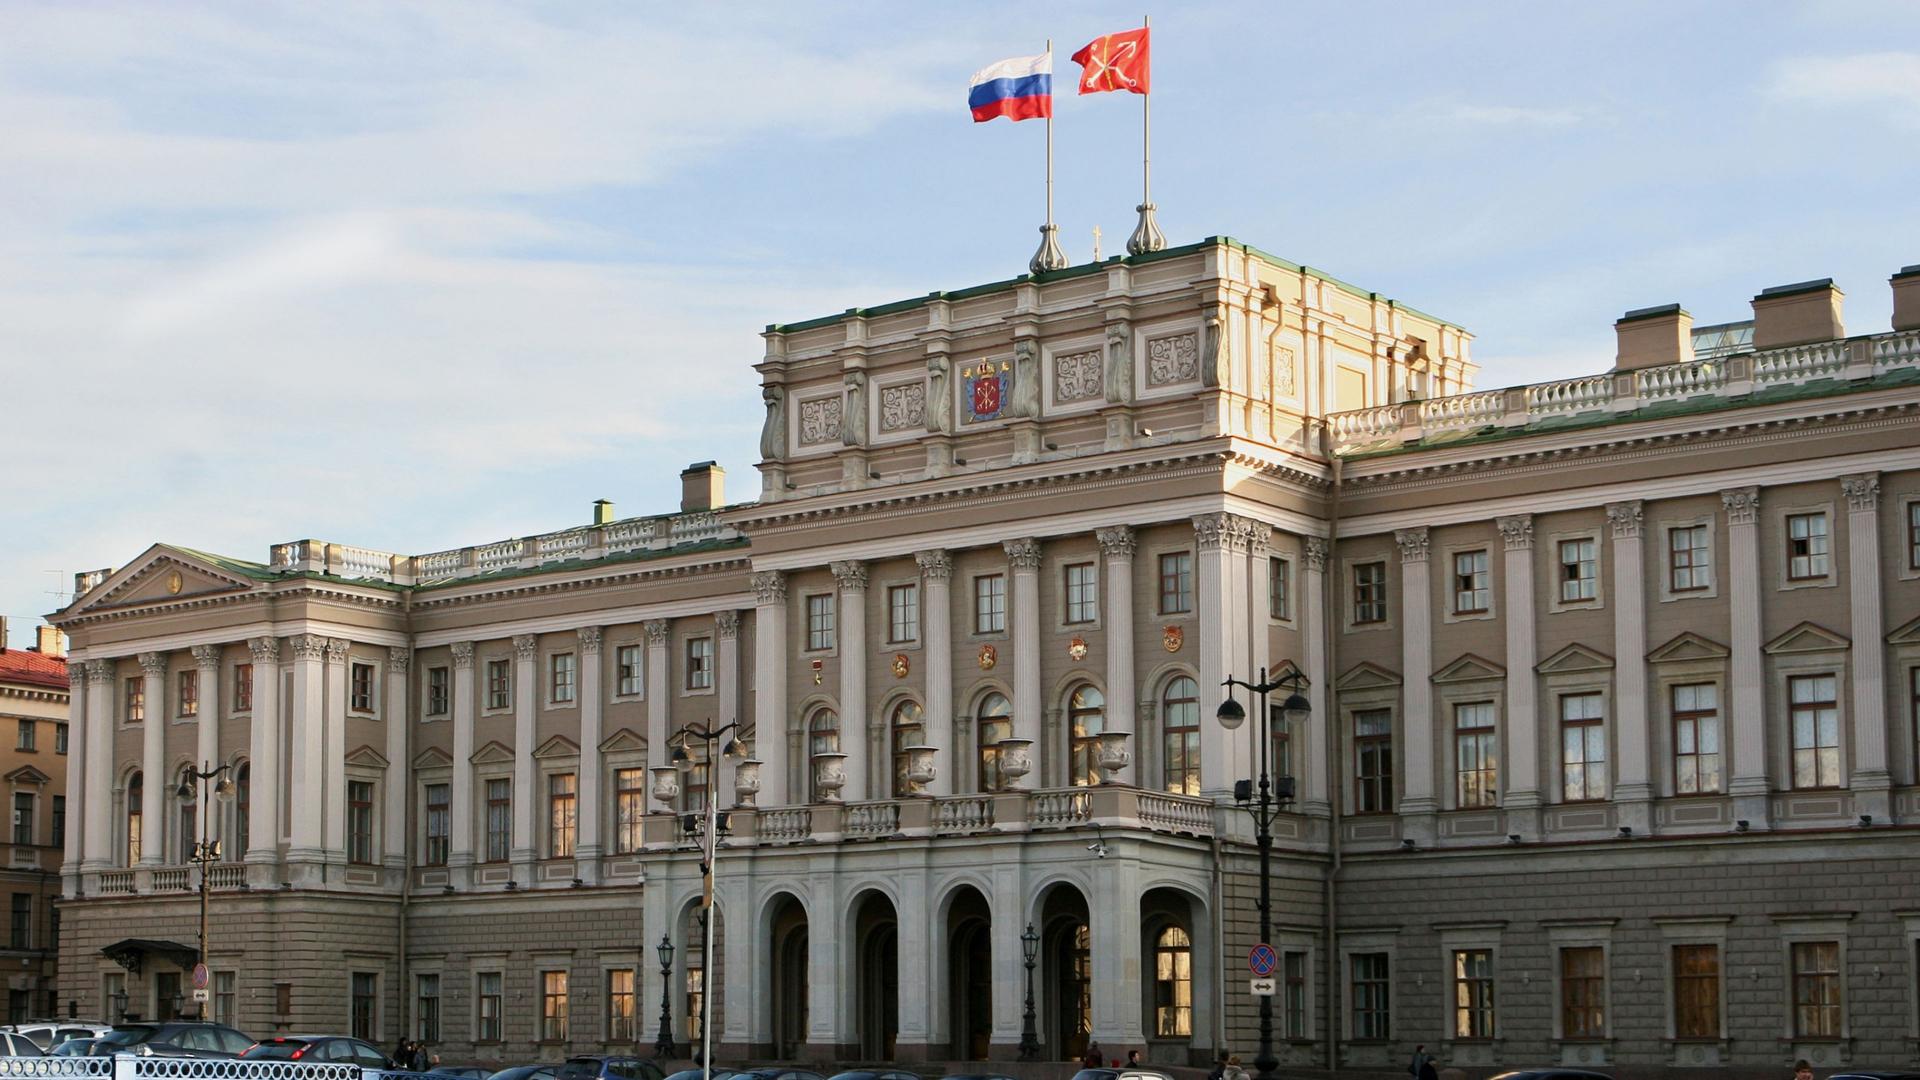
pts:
pixel 595 1067
pixel 875 1074
pixel 1552 1074
pixel 14 1044
pixel 72 1048
pixel 334 1048
pixel 462 1072
pixel 977 1076
pixel 1875 1076
pixel 777 1073
pixel 525 1072
pixel 1124 1073
pixel 695 1074
pixel 47 1034
pixel 172 1038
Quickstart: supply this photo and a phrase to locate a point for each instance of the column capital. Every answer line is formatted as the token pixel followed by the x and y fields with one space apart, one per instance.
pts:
pixel 1743 505
pixel 1317 554
pixel 99 672
pixel 463 655
pixel 1517 531
pixel 525 646
pixel 657 631
pixel 851 574
pixel 308 646
pixel 206 656
pixel 265 650
pixel 399 659
pixel 337 648
pixel 1413 544
pixel 936 565
pixel 726 623
pixel 1116 541
pixel 589 639
pixel 769 587
pixel 1863 492
pixel 154 664
pixel 1210 531
pixel 1624 517
pixel 1254 536
pixel 1023 554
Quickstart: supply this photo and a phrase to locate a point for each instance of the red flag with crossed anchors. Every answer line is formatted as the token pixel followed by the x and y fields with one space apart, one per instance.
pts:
pixel 1114 62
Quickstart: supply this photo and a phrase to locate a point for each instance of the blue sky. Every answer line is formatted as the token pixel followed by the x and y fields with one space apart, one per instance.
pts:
pixel 420 275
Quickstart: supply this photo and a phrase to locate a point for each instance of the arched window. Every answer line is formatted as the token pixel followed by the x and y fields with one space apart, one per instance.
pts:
pixel 186 811
pixel 1173 984
pixel 908 730
pixel 242 810
pixel 992 723
pixel 1180 735
pixel 135 796
pixel 1086 719
pixel 823 737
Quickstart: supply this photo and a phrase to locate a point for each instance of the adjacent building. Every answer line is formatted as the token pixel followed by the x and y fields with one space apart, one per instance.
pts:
pixel 33 764
pixel 1611 756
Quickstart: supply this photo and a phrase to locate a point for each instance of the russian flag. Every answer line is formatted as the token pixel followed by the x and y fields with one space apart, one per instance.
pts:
pixel 1019 89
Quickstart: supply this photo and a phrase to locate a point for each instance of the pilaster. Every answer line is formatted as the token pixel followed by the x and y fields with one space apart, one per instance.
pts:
pixel 1871 777
pixel 153 756
pixel 936 577
pixel 1023 558
pixel 460 812
pixel 306 756
pixel 1418 803
pixel 526 690
pixel 74 855
pixel 206 677
pixel 1315 602
pixel 397 719
pixel 1746 666
pixel 659 703
pixel 1213 612
pixel 1520 787
pixel 1633 788
pixel 726 683
pixel 264 768
pixel 856 721
pixel 1116 548
pixel 335 829
pixel 1115 947
pixel 586 848
pixel 770 686
pixel 98 766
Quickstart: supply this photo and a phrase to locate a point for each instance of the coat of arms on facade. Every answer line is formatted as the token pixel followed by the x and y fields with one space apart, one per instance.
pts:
pixel 817 665
pixel 985 389
pixel 901 665
pixel 988 657
pixel 1173 637
pixel 1077 649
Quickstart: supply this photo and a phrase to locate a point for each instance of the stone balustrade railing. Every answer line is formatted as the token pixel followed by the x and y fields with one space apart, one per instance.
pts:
pixel 1729 377
pixel 116 883
pixel 171 879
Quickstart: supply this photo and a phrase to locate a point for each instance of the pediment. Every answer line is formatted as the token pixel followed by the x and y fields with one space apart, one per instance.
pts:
pixel 1688 646
pixel 1366 676
pixel 623 741
pixel 433 758
pixel 1470 668
pixel 162 574
pixel 1906 635
pixel 1575 657
pixel 493 752
pixel 558 747
pixel 27 774
pixel 367 756
pixel 1807 638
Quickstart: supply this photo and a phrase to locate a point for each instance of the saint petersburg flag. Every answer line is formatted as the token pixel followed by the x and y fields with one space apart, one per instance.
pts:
pixel 1019 89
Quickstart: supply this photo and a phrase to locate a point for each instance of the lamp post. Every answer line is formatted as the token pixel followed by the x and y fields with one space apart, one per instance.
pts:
pixel 663 1045
pixel 206 851
pixel 1029 1038
pixel 1262 800
pixel 734 749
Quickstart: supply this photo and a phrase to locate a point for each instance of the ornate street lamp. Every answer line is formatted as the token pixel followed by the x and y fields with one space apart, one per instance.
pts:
pixel 1029 1038
pixel 206 851
pixel 733 749
pixel 663 1045
pixel 1264 807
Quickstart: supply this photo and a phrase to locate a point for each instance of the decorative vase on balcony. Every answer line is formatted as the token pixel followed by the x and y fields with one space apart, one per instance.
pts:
pixel 1114 755
pixel 666 784
pixel 1016 759
pixel 920 769
pixel 829 776
pixel 746 782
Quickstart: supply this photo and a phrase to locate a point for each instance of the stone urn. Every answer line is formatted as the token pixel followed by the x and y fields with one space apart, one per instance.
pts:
pixel 829 776
pixel 920 768
pixel 666 784
pixel 1114 755
pixel 746 783
pixel 1016 759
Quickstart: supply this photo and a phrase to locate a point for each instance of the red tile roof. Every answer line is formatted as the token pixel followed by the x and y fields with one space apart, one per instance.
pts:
pixel 33 669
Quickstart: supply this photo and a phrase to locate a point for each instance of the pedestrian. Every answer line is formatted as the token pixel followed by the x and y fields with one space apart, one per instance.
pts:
pixel 422 1061
pixel 433 1062
pixel 1091 1059
pixel 1803 1070
pixel 1233 1070
pixel 1133 1059
pixel 1428 1070
pixel 1219 1065
pixel 403 1055
pixel 1420 1058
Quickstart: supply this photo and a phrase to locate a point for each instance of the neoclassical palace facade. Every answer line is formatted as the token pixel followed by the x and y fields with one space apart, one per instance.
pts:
pixel 1611 756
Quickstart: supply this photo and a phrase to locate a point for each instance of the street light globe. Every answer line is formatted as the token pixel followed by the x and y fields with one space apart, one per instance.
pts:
pixel 1230 714
pixel 184 792
pixel 1296 708
pixel 224 790
pixel 1030 943
pixel 735 748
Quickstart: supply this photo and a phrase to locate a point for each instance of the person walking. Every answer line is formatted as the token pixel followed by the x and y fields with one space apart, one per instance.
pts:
pixel 1091 1059
pixel 1219 1066
pixel 1421 1061
pixel 1133 1059
pixel 403 1055
pixel 1803 1070
pixel 1233 1070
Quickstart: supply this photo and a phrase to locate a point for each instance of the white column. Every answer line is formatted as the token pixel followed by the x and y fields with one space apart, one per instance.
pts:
pixel 1023 556
pixel 263 770
pixel 1871 779
pixel 393 790
pixel 1314 603
pixel 1213 609
pixel 206 675
pixel 1009 917
pixel 306 755
pixel 338 661
pixel 586 848
pixel 659 704
pixel 1746 668
pixel 770 687
pixel 856 720
pixel 460 810
pixel 936 618
pixel 1417 802
pixel 1123 691
pixel 74 855
pixel 98 764
pixel 153 759
pixel 526 686
pixel 1114 942
pixel 830 973
pixel 1520 787
pixel 1633 784
pixel 919 995
pixel 726 684
pixel 742 962
pixel 1249 540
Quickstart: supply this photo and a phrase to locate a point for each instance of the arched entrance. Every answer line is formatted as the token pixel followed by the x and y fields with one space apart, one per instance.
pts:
pixel 1066 973
pixel 789 924
pixel 876 936
pixel 967 935
pixel 1173 951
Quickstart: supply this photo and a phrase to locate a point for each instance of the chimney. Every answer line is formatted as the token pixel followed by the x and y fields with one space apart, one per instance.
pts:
pixel 703 486
pixel 602 511
pixel 1653 337
pixel 1906 298
pixel 49 641
pixel 1797 314
pixel 3 633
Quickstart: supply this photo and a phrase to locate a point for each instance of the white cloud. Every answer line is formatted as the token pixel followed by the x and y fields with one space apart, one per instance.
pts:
pixel 1510 116
pixel 1883 78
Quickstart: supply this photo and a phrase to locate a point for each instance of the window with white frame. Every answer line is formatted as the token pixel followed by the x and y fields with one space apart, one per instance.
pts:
pixel 1472 994
pixel 629 669
pixel 188 693
pixel 562 805
pixel 499 819
pixel 1279 588
pixel 488 997
pixel 553 1006
pixel 439 691
pixel 562 678
pixel 1583 992
pixel 1370 994
pixel 1583 747
pixel 426 1007
pixel 1176 583
pixel 1293 1003
pixel 1180 735
pixel 1082 592
pixel 990 604
pixel 1816 989
pixel 1806 546
pixel 1472 591
pixel 1696 991
pixel 499 683
pixel 1373 761
pixel 1370 592
pixel 1913 535
pixel 630 807
pixel 1476 755
pixel 820 622
pixel 903 614
pixel 1579 570
pixel 993 724
pixel 700 663
pixel 1815 719
pixel 1689 559
pixel 439 823
pixel 1696 738
pixel 360 821
pixel 360 695
pixel 907 729
pixel 823 738
pixel 620 1005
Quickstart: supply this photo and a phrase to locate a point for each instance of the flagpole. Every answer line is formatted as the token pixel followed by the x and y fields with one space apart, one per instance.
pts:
pixel 1050 256
pixel 1146 235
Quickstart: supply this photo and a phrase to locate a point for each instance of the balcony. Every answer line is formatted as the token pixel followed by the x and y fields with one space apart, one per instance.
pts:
pixel 164 880
pixel 1110 806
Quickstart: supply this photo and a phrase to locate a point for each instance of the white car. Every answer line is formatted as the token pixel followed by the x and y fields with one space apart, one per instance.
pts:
pixel 47 1034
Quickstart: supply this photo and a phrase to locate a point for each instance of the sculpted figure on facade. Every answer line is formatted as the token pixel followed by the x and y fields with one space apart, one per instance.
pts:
pixel 773 431
pixel 939 395
pixel 1119 363
pixel 1026 380
pixel 853 419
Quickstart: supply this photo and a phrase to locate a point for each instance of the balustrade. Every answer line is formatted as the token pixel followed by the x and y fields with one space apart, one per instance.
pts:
pixel 873 819
pixel 962 814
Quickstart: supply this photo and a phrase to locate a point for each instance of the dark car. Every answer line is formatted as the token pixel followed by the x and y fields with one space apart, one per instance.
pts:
pixel 461 1072
pixel 1552 1074
pixel 171 1038
pixel 1875 1076
pixel 874 1074
pixel 595 1067
pixel 695 1074
pixel 776 1074
pixel 977 1076
pixel 338 1049
pixel 525 1072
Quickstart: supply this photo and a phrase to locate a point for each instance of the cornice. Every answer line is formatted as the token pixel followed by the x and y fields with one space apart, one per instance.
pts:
pixel 481 593
pixel 318 588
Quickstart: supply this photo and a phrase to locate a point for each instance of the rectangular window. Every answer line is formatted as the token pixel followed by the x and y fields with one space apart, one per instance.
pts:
pixel 1176 583
pixel 360 821
pixel 561 678
pixel 366 1003
pixel 499 684
pixel 360 694
pixel 1696 991
pixel 700 663
pixel 439 691
pixel 1816 731
pixel 1913 535
pixel 1471 592
pixel 242 688
pixel 1806 546
pixel 903 614
pixel 135 695
pixel 620 1005
pixel 426 1008
pixel 990 604
pixel 1294 1005
pixel 24 739
pixel 630 804
pixel 1696 739
pixel 487 1006
pixel 226 994
pixel 1373 761
pixel 59 821
pixel 1279 588
pixel 1372 1020
pixel 1583 748
pixel 1082 591
pixel 629 670
pixel 1476 756
pixel 499 819
pixel 560 815
pixel 439 823
pixel 20 934
pixel 1689 562
pixel 1370 592
pixel 553 1006
pixel 60 736
pixel 820 622
pixel 187 692
pixel 1472 994
pixel 1583 993
pixel 1579 572
pixel 1816 989
pixel 696 993
pixel 23 818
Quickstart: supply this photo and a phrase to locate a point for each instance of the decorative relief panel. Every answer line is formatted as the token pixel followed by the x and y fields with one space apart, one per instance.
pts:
pixel 1078 377
pixel 820 421
pixel 1283 376
pixel 1172 360
pixel 903 407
